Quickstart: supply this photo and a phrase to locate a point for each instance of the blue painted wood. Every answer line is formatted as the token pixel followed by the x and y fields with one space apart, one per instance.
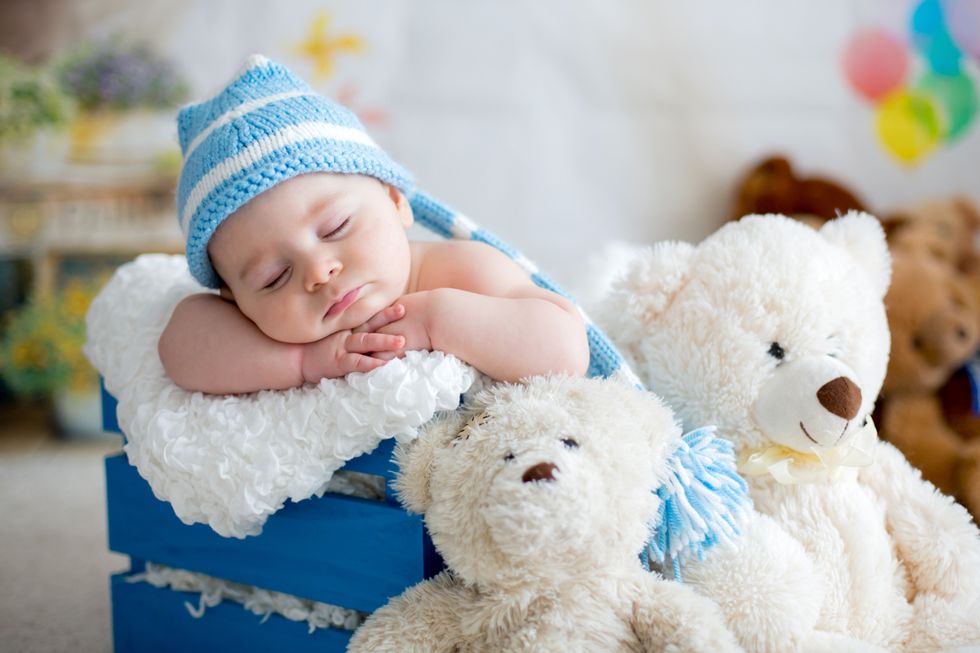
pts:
pixel 341 550
pixel 109 421
pixel 146 618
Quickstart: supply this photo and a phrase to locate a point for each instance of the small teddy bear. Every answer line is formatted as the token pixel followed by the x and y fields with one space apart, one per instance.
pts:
pixel 776 333
pixel 539 497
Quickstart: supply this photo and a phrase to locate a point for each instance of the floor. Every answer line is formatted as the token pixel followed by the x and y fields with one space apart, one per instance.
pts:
pixel 54 564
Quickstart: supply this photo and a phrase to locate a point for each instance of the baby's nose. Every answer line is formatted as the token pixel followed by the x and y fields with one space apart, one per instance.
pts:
pixel 321 272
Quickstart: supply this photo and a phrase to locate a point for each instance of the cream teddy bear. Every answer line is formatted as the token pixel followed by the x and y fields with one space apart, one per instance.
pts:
pixel 539 498
pixel 776 333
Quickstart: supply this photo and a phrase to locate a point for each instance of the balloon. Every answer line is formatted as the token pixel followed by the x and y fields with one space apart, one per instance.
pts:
pixel 956 98
pixel 930 36
pixel 908 125
pixel 875 63
pixel 927 19
pixel 942 54
pixel 963 19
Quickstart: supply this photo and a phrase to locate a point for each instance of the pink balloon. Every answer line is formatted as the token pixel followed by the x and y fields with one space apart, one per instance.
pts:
pixel 875 63
pixel 963 22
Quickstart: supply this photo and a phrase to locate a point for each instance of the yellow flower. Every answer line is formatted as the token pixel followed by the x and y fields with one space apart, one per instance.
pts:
pixel 29 354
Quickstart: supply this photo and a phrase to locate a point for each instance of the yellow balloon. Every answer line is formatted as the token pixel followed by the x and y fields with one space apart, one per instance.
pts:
pixel 909 125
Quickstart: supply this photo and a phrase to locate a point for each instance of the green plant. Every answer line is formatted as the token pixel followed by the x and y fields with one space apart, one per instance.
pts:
pixel 30 99
pixel 115 75
pixel 41 345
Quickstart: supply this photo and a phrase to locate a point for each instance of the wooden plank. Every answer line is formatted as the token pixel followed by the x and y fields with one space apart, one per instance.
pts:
pixel 341 550
pixel 147 618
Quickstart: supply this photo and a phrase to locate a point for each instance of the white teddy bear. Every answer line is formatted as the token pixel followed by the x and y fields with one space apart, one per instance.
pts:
pixel 539 498
pixel 776 333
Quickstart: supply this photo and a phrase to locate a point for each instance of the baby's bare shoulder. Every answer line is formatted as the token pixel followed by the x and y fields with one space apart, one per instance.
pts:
pixel 467 265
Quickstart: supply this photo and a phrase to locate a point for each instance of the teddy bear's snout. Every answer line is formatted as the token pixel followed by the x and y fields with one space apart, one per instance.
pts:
pixel 841 397
pixel 540 472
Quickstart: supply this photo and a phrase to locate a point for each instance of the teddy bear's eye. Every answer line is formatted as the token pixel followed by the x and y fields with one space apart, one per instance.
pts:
pixel 509 457
pixel 571 443
pixel 776 351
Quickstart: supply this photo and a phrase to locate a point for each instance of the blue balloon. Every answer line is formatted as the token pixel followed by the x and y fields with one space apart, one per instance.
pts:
pixel 927 19
pixel 931 38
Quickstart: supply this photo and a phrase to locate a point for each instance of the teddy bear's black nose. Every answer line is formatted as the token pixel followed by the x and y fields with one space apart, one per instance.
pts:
pixel 841 396
pixel 540 472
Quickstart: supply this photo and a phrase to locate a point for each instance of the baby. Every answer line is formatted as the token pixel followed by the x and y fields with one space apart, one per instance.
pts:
pixel 299 218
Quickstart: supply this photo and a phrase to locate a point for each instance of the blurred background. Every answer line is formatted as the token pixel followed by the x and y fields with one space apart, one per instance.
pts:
pixel 558 125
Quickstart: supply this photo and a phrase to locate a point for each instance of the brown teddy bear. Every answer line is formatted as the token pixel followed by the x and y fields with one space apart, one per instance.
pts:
pixel 772 186
pixel 935 328
pixel 944 229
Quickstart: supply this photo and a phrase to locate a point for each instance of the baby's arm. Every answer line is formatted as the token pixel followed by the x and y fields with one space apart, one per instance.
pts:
pixel 477 304
pixel 210 346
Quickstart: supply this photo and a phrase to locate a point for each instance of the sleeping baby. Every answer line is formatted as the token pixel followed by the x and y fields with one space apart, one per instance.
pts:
pixel 292 211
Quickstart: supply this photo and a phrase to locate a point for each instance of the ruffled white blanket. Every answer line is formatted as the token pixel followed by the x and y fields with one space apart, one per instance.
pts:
pixel 231 461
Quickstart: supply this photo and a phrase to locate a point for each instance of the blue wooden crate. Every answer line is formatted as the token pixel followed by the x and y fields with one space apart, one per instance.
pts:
pixel 346 551
pixel 147 618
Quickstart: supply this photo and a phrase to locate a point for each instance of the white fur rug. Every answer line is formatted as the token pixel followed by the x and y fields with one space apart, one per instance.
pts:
pixel 231 461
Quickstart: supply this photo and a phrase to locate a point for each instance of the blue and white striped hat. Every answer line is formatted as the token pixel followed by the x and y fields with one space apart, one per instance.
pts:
pixel 263 128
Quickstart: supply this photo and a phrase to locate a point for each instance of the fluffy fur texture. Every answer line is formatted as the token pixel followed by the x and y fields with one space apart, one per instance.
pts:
pixel 539 496
pixel 765 329
pixel 231 461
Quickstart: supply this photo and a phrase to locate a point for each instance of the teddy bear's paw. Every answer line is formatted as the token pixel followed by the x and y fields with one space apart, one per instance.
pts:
pixel 673 617
pixel 940 625
pixel 824 642
pixel 765 586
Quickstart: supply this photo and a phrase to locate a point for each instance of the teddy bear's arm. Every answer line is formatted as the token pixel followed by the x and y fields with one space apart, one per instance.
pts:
pixel 668 616
pixel 934 536
pixel 424 618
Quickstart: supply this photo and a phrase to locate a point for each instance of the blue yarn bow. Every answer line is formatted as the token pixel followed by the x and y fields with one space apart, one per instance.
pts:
pixel 703 501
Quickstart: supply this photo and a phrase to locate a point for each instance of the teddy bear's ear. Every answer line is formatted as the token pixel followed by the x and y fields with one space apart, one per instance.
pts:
pixel 415 459
pixel 652 279
pixel 861 234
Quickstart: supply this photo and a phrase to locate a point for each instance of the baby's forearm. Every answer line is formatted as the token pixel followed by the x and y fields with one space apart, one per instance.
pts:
pixel 509 338
pixel 209 346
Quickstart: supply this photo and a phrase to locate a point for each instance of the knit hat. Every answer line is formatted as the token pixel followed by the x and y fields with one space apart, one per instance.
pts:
pixel 263 128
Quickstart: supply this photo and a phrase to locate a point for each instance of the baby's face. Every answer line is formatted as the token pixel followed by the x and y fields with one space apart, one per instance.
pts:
pixel 316 254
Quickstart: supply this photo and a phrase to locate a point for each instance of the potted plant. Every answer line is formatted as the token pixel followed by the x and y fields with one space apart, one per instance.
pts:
pixel 33 112
pixel 126 95
pixel 41 356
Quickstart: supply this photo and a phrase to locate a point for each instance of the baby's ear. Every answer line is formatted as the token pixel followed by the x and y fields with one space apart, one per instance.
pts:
pixel 863 237
pixel 402 205
pixel 649 283
pixel 415 460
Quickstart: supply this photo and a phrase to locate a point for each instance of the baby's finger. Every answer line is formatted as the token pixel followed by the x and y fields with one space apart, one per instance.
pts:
pixel 359 363
pixel 391 314
pixel 365 343
pixel 385 355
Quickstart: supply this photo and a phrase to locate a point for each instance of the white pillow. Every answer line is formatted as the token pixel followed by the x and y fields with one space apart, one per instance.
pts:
pixel 231 461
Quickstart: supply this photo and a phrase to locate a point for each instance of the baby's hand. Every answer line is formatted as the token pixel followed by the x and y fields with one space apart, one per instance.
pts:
pixel 412 325
pixel 346 351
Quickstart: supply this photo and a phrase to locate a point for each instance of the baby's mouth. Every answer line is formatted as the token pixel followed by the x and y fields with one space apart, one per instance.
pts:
pixel 341 304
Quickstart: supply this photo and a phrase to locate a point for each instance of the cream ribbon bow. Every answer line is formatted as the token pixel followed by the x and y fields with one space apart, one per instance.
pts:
pixel 791 467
